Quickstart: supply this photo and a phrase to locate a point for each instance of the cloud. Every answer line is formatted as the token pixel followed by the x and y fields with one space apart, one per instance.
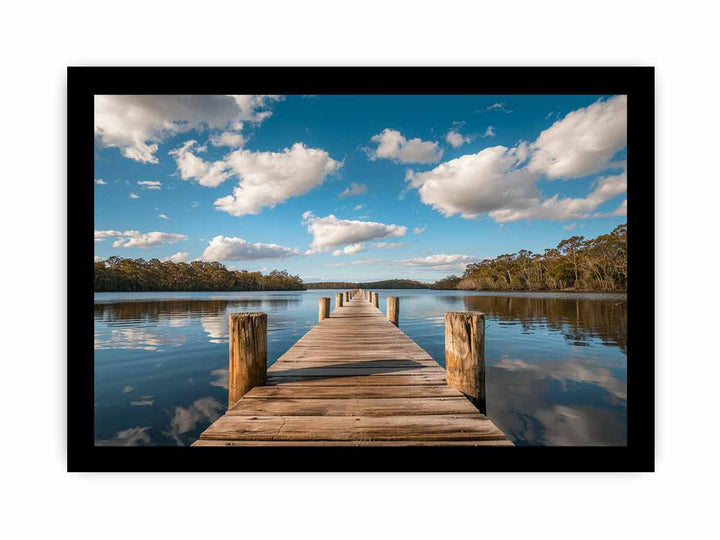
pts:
pixel 226 248
pixel 137 124
pixel 127 388
pixel 583 142
pixel 350 249
pixel 353 190
pixel 270 178
pixel 455 139
pixel 439 262
pixel 499 107
pixel 388 245
pixel 329 232
pixel 203 410
pixel 128 437
pixel 100 182
pixel 419 230
pixel 194 204
pixel 98 258
pixel 192 167
pixel 150 184
pixel 570 227
pixel 392 145
pixel 557 209
pixel 358 207
pixel 619 211
pixel 489 132
pixel 163 216
pixel 502 182
pixel 100 236
pixel 129 239
pixel 180 256
pixel 143 403
pixel 478 183
pixel 232 139
pixel 134 196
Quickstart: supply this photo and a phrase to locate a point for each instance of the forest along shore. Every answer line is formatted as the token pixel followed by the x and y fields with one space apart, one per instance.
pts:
pixel 575 265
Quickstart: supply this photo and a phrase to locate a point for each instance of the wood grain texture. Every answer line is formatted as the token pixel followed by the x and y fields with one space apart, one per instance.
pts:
pixel 465 354
pixel 355 379
pixel 323 309
pixel 338 300
pixel 393 310
pixel 248 354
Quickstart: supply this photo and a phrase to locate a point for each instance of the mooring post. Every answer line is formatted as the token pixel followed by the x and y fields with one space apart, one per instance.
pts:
pixel 465 355
pixel 338 300
pixel 323 309
pixel 375 300
pixel 393 309
pixel 248 354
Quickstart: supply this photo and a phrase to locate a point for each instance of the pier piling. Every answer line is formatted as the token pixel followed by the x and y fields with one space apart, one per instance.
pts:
pixel 248 354
pixel 465 355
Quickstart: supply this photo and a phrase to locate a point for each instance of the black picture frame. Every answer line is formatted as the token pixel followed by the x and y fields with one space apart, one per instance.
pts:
pixel 635 82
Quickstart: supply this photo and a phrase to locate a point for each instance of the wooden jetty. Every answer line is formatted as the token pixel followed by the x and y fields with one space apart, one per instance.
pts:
pixel 356 379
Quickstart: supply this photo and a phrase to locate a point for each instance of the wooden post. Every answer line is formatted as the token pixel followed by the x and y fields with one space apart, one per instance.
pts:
pixel 248 354
pixel 323 309
pixel 338 300
pixel 375 300
pixel 465 355
pixel 393 309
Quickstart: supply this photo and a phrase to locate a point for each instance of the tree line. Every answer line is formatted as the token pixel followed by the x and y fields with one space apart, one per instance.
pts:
pixel 117 274
pixel 598 264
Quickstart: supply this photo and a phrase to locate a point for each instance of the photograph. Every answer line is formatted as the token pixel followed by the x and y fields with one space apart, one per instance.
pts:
pixel 386 270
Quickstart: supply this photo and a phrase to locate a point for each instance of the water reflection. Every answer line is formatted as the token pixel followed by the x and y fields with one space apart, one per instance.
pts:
pixel 556 364
pixel 578 320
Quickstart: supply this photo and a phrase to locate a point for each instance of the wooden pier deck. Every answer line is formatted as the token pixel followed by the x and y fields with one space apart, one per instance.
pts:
pixel 355 379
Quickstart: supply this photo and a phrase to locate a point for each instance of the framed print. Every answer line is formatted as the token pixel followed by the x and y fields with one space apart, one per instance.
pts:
pixel 361 269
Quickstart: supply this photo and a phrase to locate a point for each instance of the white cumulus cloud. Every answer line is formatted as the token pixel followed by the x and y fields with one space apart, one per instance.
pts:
pixel 150 184
pixel 350 249
pixel 232 139
pixel 583 142
pixel 128 239
pixel 455 139
pixel 330 232
pixel 477 183
pixel 558 209
pixel 193 167
pixel 134 196
pixel 270 178
pixel 180 256
pixel 440 262
pixel 226 248
pixel 392 145
pixel 502 182
pixel 100 182
pixel 137 124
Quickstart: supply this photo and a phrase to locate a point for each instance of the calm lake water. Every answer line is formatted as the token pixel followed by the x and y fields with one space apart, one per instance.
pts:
pixel 556 363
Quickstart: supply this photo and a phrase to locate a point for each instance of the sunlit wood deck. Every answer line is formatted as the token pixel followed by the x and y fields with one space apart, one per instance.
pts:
pixel 355 379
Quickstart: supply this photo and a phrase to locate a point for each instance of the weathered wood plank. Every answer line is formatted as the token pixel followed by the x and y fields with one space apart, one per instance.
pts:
pixel 349 392
pixel 218 442
pixel 354 428
pixel 383 379
pixel 352 407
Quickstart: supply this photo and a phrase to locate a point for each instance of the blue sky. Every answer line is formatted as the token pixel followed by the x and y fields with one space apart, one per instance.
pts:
pixel 354 187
